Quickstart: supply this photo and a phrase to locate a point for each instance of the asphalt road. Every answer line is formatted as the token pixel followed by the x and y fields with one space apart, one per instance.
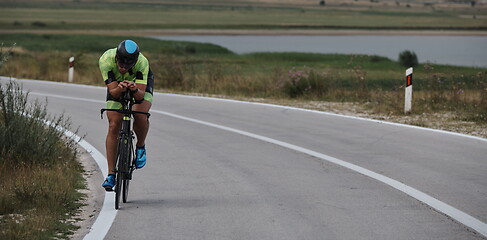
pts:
pixel 227 170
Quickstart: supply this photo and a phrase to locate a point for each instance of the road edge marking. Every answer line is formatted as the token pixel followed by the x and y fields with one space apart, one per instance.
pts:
pixel 107 215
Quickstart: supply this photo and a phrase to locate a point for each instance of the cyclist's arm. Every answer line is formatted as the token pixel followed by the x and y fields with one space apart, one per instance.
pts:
pixel 141 75
pixel 106 64
pixel 139 95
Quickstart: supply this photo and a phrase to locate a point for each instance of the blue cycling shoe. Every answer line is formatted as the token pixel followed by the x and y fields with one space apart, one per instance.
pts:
pixel 109 183
pixel 140 157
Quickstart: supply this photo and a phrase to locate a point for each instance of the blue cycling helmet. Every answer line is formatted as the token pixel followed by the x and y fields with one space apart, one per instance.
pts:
pixel 127 54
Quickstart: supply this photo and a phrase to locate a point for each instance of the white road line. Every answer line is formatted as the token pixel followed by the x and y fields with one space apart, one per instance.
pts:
pixel 440 206
pixel 107 213
pixel 67 97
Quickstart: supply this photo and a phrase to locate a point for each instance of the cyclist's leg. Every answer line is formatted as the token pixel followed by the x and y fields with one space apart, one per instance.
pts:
pixel 114 125
pixel 141 122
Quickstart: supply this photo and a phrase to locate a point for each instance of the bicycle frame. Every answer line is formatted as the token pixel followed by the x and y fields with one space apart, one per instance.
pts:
pixel 125 163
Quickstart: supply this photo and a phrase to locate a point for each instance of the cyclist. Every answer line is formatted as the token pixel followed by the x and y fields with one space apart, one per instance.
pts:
pixel 126 69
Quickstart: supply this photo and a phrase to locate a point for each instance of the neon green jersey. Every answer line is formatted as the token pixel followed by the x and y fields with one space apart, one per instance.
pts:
pixel 140 73
pixel 109 69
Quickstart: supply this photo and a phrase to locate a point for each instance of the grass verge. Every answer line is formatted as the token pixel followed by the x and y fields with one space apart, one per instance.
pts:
pixel 38 170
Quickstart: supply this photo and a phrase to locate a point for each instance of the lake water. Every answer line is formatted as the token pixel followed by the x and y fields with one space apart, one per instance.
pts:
pixel 452 50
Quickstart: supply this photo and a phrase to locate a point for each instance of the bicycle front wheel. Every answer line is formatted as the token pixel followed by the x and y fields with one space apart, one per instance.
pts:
pixel 130 167
pixel 122 171
pixel 125 196
pixel 118 188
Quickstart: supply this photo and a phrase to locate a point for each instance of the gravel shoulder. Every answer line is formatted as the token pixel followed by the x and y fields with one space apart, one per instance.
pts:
pixel 446 121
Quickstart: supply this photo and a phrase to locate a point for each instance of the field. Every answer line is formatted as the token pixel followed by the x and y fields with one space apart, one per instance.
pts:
pixel 208 69
pixel 106 15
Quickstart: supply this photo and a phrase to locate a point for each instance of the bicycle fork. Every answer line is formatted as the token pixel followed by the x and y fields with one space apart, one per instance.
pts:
pixel 126 140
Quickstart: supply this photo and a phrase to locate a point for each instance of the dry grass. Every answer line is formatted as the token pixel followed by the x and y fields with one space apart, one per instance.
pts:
pixel 37 201
pixel 39 173
pixel 52 66
pixel 444 120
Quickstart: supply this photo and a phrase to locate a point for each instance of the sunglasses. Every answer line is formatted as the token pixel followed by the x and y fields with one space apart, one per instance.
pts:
pixel 127 64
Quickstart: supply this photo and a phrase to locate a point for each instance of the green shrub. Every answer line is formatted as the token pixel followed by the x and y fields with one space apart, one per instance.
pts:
pixel 24 136
pixel 39 24
pixel 408 59
pixel 297 83
pixel 306 83
pixel 39 174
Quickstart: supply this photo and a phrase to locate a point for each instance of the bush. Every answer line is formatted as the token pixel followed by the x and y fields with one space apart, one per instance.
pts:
pixel 24 136
pixel 39 24
pixel 408 59
pixel 306 83
pixel 39 174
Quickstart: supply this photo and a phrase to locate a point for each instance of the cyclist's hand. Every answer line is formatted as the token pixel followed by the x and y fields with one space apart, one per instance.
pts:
pixel 130 85
pixel 123 85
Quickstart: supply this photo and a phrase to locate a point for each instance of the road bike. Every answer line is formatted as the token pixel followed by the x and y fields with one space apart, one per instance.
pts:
pixel 125 161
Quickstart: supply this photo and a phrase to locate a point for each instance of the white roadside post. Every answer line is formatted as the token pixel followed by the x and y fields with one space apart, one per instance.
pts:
pixel 71 69
pixel 409 90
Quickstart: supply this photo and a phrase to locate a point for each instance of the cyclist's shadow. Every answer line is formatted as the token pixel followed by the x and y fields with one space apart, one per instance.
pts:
pixel 168 203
